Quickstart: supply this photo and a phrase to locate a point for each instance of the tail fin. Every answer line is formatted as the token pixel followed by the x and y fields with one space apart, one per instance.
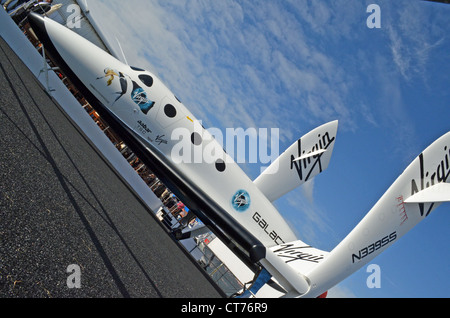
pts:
pixel 302 161
pixel 412 197
pixel 416 192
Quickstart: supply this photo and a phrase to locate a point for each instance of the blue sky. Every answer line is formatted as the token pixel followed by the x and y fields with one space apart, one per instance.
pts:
pixel 295 65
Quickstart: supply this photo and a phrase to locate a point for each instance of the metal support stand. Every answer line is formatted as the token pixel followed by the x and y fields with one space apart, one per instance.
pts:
pixel 45 70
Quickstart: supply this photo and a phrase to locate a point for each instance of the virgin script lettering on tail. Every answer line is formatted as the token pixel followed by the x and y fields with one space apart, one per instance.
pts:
pixel 305 167
pixel 430 178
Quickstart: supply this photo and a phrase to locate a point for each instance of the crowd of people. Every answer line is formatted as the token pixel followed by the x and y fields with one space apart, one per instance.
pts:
pixel 176 208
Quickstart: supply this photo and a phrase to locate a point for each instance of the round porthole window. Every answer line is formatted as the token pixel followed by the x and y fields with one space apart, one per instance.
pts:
pixel 170 111
pixel 196 138
pixel 220 165
pixel 146 79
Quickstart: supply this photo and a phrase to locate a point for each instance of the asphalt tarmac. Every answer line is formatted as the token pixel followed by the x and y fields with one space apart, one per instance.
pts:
pixel 64 211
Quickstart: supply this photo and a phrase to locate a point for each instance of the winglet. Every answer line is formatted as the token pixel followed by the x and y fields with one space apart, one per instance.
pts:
pixel 437 193
pixel 311 154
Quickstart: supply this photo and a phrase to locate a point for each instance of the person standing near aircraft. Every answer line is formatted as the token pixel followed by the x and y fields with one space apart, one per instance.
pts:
pixel 19 3
pixel 8 2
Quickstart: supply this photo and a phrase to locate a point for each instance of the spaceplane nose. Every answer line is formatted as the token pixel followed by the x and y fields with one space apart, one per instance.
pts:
pixel 37 23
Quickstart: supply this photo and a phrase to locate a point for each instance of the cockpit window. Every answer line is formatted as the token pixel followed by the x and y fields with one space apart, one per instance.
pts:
pixel 137 69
